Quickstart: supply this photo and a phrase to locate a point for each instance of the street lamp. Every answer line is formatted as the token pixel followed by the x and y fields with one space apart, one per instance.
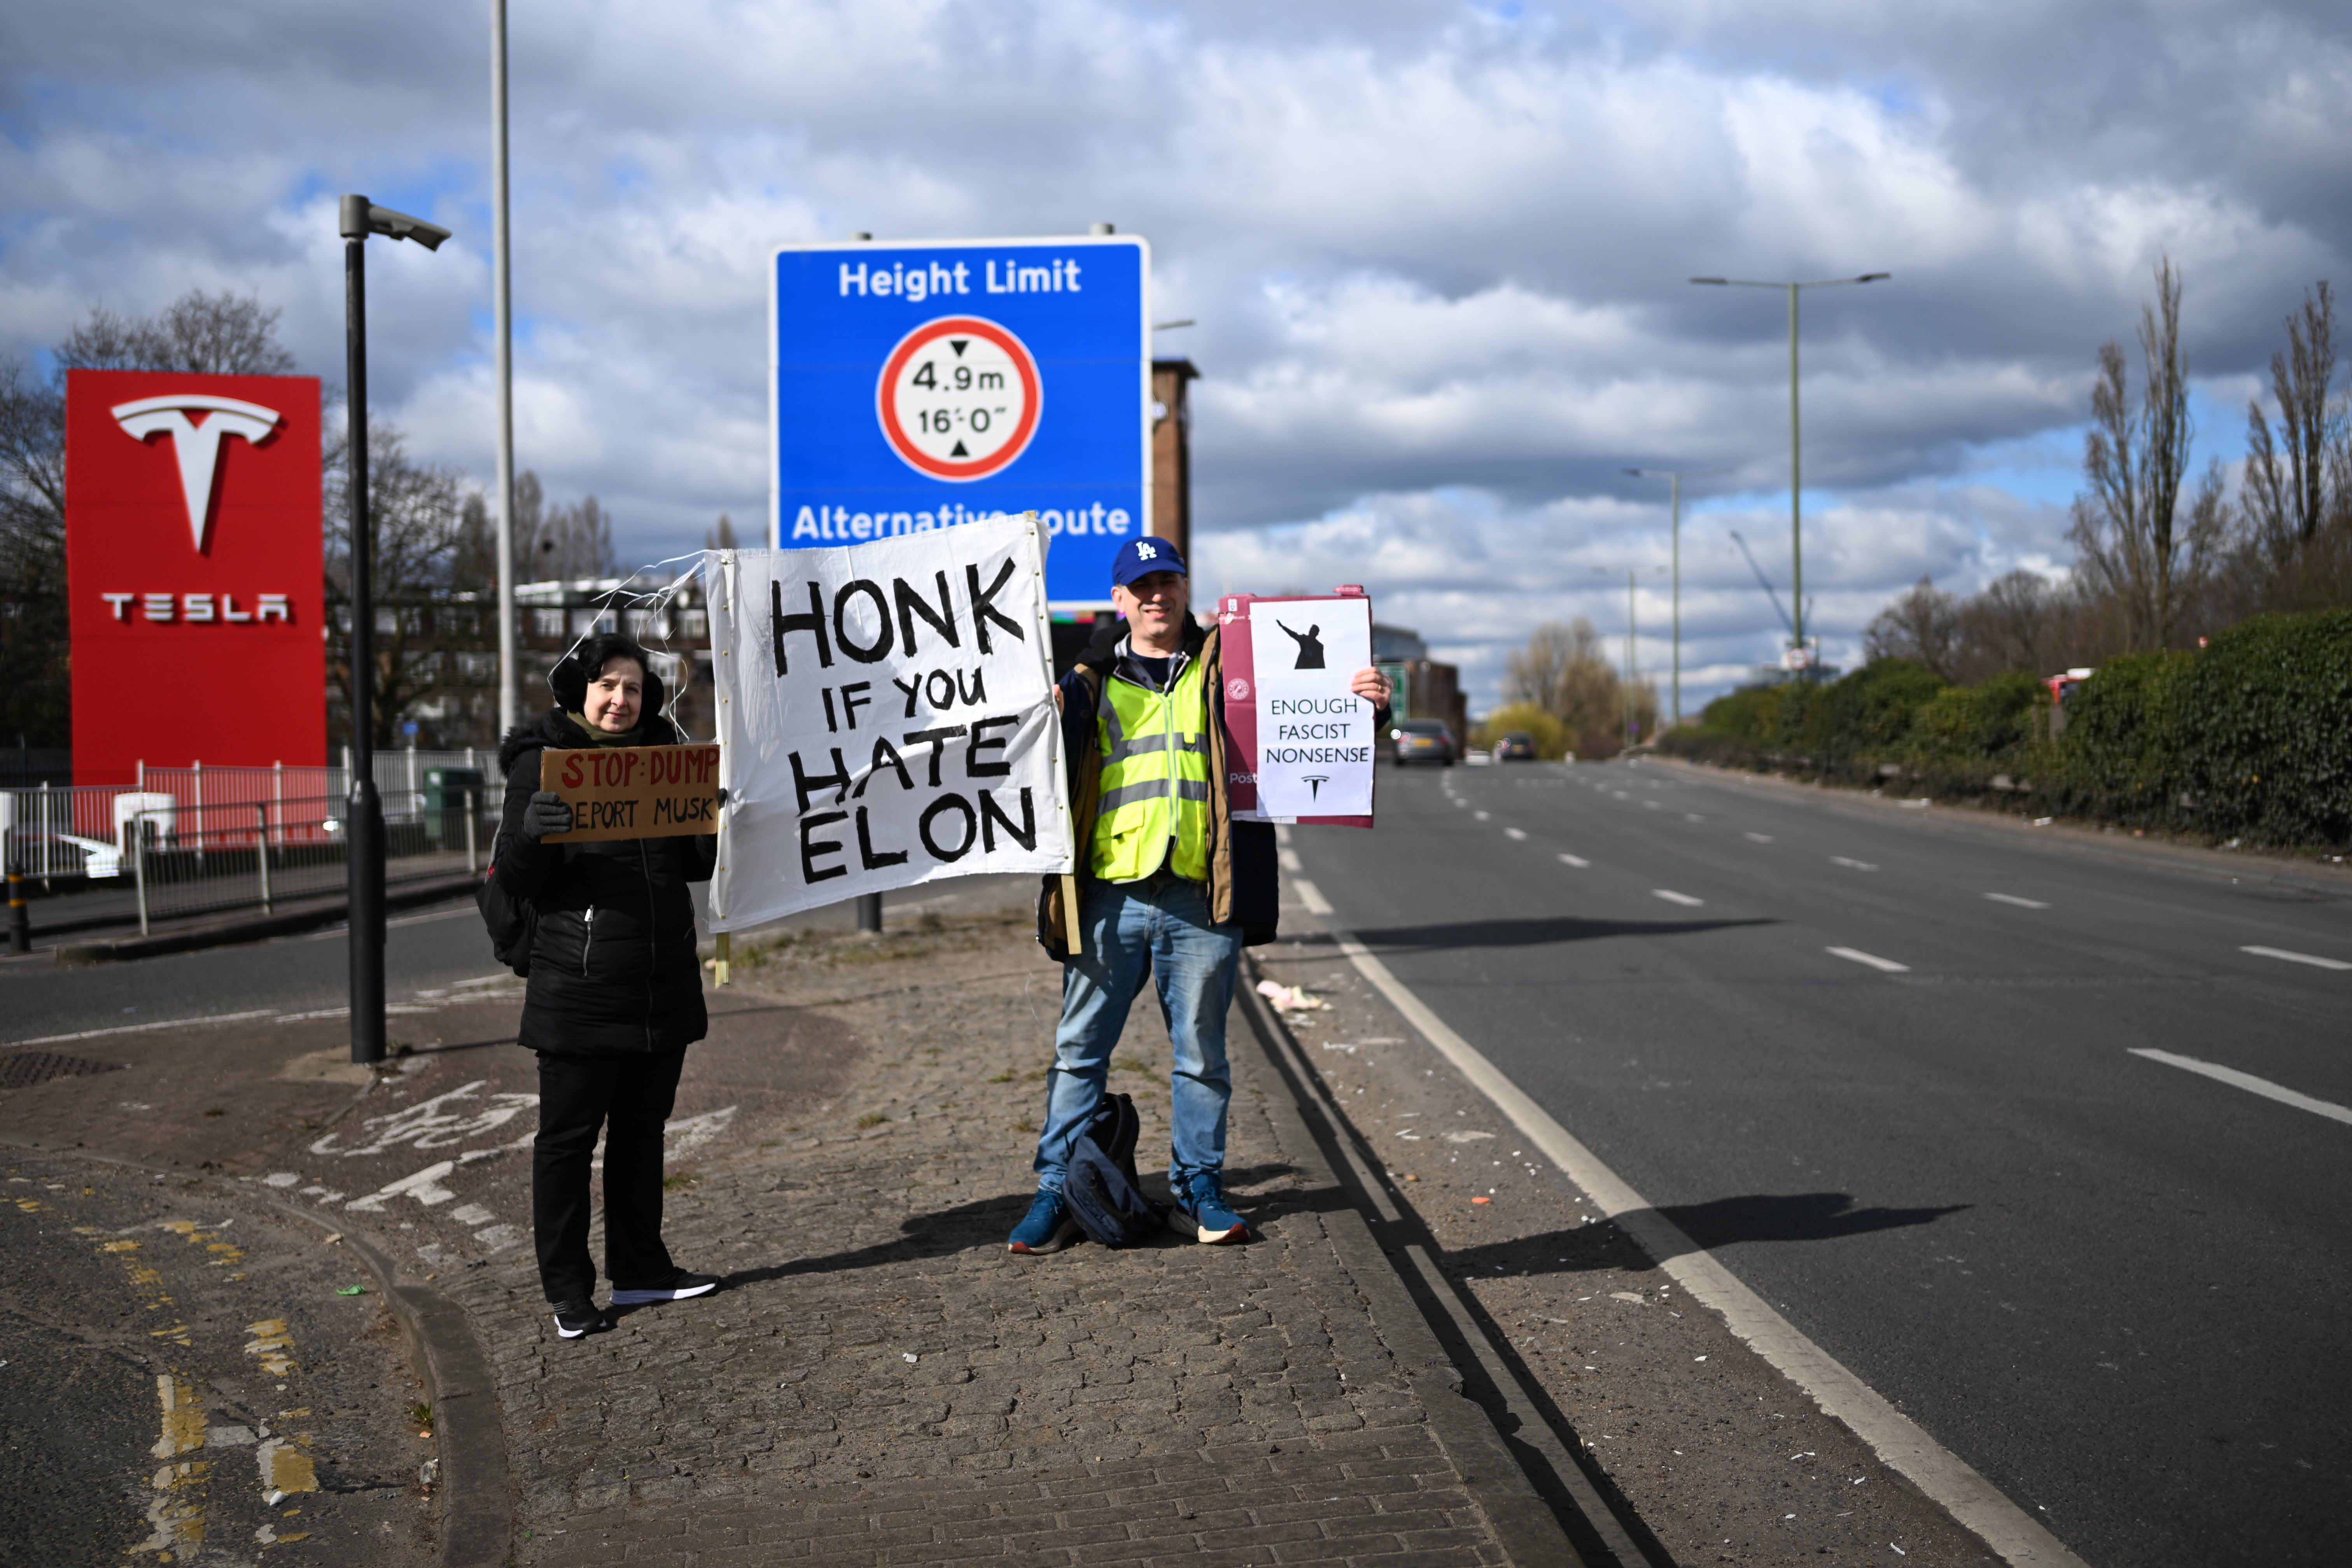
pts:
pixel 364 813
pixel 1796 523
pixel 1676 475
pixel 1632 656
pixel 502 309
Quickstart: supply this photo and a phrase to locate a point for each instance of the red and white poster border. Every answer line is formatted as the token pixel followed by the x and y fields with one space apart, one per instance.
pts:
pixel 1237 663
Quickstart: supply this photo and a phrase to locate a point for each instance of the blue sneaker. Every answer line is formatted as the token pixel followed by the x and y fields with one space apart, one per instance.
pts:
pixel 1201 1212
pixel 1047 1229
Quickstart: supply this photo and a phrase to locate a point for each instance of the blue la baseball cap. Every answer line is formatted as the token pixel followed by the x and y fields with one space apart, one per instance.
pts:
pixel 1142 557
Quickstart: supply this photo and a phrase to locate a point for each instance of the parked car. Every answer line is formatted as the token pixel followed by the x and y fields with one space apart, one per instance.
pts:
pixel 1422 741
pixel 1515 746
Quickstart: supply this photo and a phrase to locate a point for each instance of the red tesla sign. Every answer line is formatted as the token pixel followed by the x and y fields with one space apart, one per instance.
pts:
pixel 193 560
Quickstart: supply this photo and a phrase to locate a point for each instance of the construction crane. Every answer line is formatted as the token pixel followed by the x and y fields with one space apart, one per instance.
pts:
pixel 1764 583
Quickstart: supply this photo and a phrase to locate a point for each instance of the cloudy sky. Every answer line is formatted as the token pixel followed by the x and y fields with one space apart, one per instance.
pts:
pixel 1436 251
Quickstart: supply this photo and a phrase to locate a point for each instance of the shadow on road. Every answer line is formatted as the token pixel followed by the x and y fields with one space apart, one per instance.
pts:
pixel 1722 1222
pixel 1537 931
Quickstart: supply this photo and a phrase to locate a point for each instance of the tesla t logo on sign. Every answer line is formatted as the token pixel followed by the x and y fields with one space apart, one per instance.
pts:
pixel 193 566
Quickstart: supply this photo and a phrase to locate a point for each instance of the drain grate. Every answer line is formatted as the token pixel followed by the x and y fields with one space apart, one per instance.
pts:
pixel 23 1070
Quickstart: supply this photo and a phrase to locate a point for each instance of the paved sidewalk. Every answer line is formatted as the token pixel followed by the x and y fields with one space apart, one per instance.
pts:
pixel 882 1382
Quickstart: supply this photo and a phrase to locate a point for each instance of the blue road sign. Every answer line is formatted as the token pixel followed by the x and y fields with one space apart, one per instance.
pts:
pixel 931 384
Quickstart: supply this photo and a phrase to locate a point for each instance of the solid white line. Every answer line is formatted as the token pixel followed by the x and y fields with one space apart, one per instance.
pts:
pixel 2013 899
pixel 1944 1475
pixel 1514 833
pixel 1858 956
pixel 2249 1083
pixel 2315 962
pixel 1311 896
pixel 143 1028
pixel 1579 861
pixel 1674 897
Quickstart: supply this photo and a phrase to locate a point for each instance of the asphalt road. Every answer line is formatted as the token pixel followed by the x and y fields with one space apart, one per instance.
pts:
pixel 427 953
pixel 2114 1284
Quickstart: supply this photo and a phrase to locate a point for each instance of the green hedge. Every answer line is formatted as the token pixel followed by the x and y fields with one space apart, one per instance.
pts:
pixel 2250 738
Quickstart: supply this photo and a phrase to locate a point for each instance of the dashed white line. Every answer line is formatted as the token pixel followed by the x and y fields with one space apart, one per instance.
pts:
pixel 1482 816
pixel 1289 859
pixel 2249 1083
pixel 1851 863
pixel 1856 955
pixel 1758 837
pixel 2312 959
pixel 1579 861
pixel 1674 897
pixel 1311 896
pixel 2013 899
pixel 1518 833
pixel 1692 817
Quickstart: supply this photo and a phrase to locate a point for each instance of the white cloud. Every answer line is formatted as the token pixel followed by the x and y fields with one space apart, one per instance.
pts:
pixel 1436 251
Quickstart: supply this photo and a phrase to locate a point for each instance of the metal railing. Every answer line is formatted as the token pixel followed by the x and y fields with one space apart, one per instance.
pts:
pixel 284 850
pixel 79 832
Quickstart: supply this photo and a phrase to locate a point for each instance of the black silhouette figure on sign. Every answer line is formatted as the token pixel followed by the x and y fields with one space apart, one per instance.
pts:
pixel 1310 646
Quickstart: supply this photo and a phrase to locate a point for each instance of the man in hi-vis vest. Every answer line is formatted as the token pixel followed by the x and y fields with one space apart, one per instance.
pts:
pixel 1169 887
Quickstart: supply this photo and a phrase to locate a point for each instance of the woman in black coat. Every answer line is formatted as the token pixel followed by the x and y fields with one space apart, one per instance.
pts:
pixel 614 994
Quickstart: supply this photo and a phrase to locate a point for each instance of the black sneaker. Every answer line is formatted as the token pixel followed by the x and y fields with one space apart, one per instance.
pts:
pixel 676 1288
pixel 575 1319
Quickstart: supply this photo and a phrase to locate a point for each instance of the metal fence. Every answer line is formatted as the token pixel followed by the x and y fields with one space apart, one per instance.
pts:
pixel 262 854
pixel 81 832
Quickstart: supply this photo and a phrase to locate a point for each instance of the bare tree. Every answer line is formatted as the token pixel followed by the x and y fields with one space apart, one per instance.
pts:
pixel 573 543
pixel 2296 499
pixel 200 334
pixel 1923 625
pixel 1565 671
pixel 37 700
pixel 2130 538
pixel 722 534
pixel 418 521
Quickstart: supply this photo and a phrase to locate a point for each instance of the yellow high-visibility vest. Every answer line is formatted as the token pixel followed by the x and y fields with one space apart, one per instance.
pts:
pixel 1155 780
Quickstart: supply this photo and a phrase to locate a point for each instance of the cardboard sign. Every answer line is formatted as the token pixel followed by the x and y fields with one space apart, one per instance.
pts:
pixel 1300 744
pixel 633 791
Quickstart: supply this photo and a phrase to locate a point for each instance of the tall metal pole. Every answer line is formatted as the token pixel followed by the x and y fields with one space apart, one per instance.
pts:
pixel 1678 599
pixel 1633 668
pixel 364 813
pixel 1795 488
pixel 503 309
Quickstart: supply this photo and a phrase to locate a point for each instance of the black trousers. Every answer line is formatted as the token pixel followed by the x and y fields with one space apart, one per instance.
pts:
pixel 629 1097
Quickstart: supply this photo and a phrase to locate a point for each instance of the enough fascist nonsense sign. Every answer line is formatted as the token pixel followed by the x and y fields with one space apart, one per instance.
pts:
pixel 885 718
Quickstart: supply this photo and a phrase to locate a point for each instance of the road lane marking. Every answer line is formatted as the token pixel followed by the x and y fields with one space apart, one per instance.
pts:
pixel 1674 897
pixel 142 1028
pixel 1290 859
pixel 1481 815
pixel 1311 896
pixel 1851 864
pixel 2248 1082
pixel 1856 955
pixel 1518 833
pixel 1691 816
pixel 1758 838
pixel 2312 959
pixel 1579 861
pixel 1898 1440
pixel 2013 899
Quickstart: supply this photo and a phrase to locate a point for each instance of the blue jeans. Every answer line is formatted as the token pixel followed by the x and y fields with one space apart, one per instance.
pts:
pixel 1157 928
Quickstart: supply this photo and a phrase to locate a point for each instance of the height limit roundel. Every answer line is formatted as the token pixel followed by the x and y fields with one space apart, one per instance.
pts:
pixel 959 398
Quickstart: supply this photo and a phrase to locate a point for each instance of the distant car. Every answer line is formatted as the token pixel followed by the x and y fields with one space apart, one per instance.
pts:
pixel 1515 746
pixel 1422 741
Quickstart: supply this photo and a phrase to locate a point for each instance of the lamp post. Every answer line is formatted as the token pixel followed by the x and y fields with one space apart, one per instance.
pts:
pixel 502 309
pixel 1676 476
pixel 364 812
pixel 1633 655
pixel 1796 475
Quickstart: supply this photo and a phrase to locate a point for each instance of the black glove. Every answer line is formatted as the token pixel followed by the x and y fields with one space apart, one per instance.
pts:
pixel 546 814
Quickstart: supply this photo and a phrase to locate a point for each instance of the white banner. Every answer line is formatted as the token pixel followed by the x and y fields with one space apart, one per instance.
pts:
pixel 886 717
pixel 1314 735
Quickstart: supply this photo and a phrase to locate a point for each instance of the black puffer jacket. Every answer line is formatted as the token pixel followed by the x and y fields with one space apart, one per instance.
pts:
pixel 613 968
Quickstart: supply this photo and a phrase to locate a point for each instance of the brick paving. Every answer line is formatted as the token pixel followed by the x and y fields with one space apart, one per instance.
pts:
pixel 881 1382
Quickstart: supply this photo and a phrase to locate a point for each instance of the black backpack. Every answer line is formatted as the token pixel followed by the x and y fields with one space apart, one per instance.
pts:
pixel 1104 1195
pixel 513 921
